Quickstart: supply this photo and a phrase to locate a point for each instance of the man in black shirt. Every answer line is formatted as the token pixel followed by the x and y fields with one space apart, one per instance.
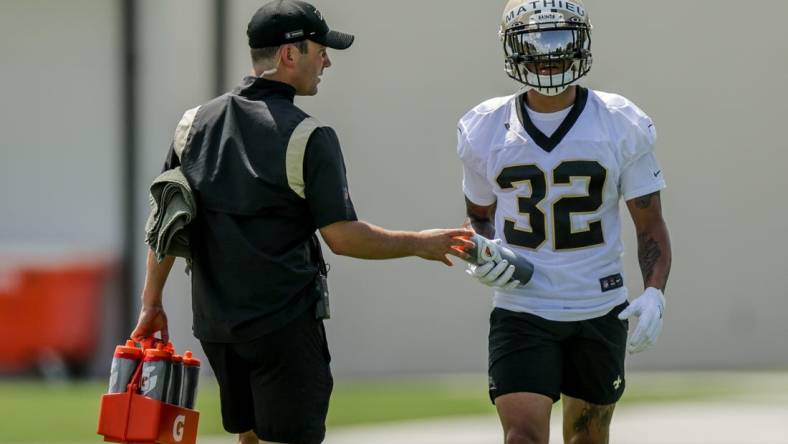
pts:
pixel 266 176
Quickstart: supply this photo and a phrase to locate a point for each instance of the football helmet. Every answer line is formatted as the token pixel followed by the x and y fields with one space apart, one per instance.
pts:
pixel 547 43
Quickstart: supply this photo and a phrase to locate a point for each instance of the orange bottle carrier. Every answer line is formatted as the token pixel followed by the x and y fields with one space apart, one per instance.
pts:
pixel 132 418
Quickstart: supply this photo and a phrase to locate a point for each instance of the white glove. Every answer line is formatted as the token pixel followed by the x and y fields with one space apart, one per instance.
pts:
pixel 495 272
pixel 648 307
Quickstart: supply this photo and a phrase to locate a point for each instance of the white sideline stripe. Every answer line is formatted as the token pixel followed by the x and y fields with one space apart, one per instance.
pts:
pixel 695 423
pixel 669 423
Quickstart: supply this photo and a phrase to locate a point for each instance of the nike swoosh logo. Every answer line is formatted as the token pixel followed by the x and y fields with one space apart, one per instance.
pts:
pixel 657 173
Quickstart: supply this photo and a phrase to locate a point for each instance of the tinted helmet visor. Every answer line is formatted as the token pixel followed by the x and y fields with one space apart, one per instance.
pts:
pixel 565 47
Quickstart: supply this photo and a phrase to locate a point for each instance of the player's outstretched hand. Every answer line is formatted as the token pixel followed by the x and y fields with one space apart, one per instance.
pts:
pixel 152 319
pixel 435 245
pixel 497 272
pixel 648 307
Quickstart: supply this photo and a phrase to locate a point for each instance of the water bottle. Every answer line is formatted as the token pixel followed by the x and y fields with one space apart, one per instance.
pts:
pixel 124 364
pixel 482 253
pixel 156 365
pixel 191 377
pixel 176 379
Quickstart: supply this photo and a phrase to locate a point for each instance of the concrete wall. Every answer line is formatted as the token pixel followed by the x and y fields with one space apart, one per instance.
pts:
pixel 705 71
pixel 59 87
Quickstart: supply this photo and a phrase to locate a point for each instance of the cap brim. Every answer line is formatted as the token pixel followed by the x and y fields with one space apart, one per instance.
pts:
pixel 338 40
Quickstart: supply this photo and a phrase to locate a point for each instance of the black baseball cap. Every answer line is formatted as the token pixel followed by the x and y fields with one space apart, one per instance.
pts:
pixel 289 21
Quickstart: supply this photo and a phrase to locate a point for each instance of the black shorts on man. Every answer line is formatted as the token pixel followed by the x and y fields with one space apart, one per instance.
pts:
pixel 278 385
pixel 583 359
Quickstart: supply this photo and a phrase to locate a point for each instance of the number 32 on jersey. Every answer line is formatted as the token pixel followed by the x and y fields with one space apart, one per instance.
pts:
pixel 565 238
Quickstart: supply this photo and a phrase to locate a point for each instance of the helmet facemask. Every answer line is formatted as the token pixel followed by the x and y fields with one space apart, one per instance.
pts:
pixel 547 56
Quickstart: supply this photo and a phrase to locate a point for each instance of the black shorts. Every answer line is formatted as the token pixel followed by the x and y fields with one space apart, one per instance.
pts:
pixel 278 385
pixel 583 359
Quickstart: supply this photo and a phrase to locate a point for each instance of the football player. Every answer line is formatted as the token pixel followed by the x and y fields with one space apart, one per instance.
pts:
pixel 544 171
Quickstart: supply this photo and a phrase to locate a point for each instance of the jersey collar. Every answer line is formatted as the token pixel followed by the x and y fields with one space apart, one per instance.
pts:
pixel 258 88
pixel 549 143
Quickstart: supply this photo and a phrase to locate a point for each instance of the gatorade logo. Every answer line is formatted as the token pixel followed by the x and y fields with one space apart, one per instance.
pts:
pixel 177 428
pixel 148 380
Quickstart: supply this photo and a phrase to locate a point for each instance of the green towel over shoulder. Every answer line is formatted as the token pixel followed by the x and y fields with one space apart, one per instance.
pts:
pixel 172 207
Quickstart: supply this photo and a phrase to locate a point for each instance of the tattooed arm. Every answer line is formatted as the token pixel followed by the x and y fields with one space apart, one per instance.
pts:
pixel 480 218
pixel 654 252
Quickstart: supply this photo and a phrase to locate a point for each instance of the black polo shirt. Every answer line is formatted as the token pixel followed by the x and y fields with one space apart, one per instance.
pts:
pixel 253 267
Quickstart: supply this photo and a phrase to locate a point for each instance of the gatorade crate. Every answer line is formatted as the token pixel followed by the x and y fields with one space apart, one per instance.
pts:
pixel 135 419
pixel 132 418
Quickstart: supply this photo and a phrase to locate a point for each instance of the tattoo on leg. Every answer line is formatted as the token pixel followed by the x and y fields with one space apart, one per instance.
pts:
pixel 644 202
pixel 596 417
pixel 648 255
pixel 583 422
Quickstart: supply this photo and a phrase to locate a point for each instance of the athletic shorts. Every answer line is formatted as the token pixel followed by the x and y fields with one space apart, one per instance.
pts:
pixel 278 385
pixel 583 359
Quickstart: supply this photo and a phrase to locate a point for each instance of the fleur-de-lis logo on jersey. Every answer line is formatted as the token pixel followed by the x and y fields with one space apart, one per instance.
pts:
pixel 617 383
pixel 318 14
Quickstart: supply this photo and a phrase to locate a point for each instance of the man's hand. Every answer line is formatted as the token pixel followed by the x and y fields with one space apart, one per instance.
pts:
pixel 152 316
pixel 152 319
pixel 648 308
pixel 435 245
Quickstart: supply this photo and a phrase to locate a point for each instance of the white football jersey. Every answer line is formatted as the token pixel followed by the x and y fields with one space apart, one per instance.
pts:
pixel 558 197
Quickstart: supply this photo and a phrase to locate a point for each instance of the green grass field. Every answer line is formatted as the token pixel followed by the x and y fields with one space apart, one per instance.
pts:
pixel 66 413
